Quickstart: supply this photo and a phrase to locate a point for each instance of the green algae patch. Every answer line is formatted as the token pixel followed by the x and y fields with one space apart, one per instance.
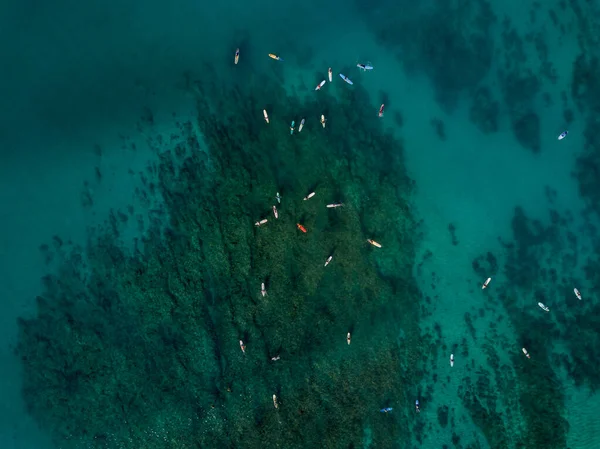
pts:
pixel 142 349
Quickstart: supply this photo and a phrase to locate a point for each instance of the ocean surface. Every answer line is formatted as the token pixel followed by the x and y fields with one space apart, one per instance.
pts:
pixel 135 162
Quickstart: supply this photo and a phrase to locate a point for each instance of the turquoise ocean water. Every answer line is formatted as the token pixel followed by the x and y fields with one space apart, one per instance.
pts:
pixel 135 161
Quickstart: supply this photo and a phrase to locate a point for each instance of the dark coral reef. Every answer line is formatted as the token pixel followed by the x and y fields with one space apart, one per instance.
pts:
pixel 541 266
pixel 452 43
pixel 585 89
pixel 142 348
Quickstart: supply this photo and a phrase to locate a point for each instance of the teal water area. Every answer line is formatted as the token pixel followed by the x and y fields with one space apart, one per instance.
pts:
pixel 136 162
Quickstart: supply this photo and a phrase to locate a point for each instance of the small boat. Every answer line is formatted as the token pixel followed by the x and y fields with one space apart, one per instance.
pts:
pixel 374 243
pixel 364 67
pixel 381 110
pixel 563 135
pixel 301 126
pixel 275 57
pixel 275 401
pixel 348 338
pixel 321 84
pixel 292 127
pixel 451 360
pixel 263 290
pixel 543 307
pixel 309 196
pixel 334 205
pixel 302 228
pixel 386 410
pixel 278 198
pixel 345 78
pixel 261 222
pixel 237 56
pixel 242 346
pixel 275 212
pixel 525 352
pixel 266 115
pixel 323 120
pixel 486 283
pixel 330 73
pixel 328 260
pixel 577 293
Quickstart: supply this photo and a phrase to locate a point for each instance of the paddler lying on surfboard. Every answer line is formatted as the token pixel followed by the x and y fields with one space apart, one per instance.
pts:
pixel 364 67
pixel 321 84
pixel 237 56
pixel 345 78
pixel 486 283
pixel 374 243
pixel 302 228
pixel 261 222
pixel 275 57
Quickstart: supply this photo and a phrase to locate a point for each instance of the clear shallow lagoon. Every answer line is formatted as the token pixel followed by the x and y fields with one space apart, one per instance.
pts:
pixel 138 109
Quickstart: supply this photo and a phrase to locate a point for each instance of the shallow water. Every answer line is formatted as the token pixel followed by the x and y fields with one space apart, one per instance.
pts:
pixel 97 105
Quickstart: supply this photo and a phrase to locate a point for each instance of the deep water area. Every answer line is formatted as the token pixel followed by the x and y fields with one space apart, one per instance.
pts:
pixel 367 231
